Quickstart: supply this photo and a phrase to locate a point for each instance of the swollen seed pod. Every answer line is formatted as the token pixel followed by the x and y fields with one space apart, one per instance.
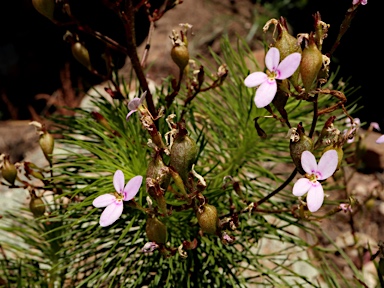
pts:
pixel 285 42
pixel 208 219
pixel 298 146
pixel 159 171
pixel 310 65
pixel 183 155
pixel 8 170
pixel 45 7
pixel 37 206
pixel 46 142
pixel 81 54
pixel 156 230
pixel 180 55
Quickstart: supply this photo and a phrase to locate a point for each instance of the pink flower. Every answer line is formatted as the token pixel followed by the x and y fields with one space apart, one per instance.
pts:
pixel 114 202
pixel 134 104
pixel 362 2
pixel 380 140
pixel 327 166
pixel 268 86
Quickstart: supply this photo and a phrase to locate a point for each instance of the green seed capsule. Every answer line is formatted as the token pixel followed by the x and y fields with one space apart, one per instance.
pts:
pixel 208 219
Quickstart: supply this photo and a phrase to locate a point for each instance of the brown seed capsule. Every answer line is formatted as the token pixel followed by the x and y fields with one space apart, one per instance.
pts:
pixel 47 143
pixel 208 219
pixel 81 54
pixel 156 230
pixel 37 206
pixel 180 55
pixel 183 154
pixel 45 7
pixel 298 146
pixel 310 65
pixel 8 170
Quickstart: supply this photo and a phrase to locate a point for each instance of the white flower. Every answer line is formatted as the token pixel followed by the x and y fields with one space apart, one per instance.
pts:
pixel 268 86
pixel 326 167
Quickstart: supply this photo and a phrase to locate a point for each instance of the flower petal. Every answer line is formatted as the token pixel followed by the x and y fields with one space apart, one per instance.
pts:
pixel 327 164
pixel 134 104
pixel 130 113
pixel 315 197
pixel 265 93
pixel 103 200
pixel 272 59
pixel 308 162
pixel 380 140
pixel 301 187
pixel 288 66
pixel 118 181
pixel 255 79
pixel 132 187
pixel 111 213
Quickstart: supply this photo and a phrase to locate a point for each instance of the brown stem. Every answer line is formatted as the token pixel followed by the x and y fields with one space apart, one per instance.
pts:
pixel 128 19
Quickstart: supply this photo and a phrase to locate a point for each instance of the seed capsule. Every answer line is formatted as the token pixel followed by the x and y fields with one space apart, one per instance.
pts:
pixel 156 230
pixel 208 219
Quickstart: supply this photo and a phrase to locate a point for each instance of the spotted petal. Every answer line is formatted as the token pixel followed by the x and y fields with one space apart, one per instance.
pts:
pixel 111 213
pixel 132 187
pixel 118 181
pixel 315 197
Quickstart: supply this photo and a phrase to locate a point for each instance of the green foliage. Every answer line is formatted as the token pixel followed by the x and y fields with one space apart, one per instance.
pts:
pixel 68 248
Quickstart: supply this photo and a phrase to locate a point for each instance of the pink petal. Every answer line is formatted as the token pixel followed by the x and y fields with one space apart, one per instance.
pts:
pixel 380 140
pixel 288 66
pixel 308 162
pixel 111 213
pixel 327 164
pixel 265 93
pixel 134 104
pixel 130 113
pixel 301 187
pixel 103 200
pixel 272 59
pixel 255 79
pixel 375 125
pixel 132 187
pixel 118 181
pixel 315 197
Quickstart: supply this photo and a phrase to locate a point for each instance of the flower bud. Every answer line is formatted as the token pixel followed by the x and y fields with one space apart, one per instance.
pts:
pixel 183 154
pixel 156 230
pixel 8 170
pixel 81 54
pixel 37 206
pixel 298 144
pixel 47 143
pixel 208 219
pixel 180 54
pixel 45 7
pixel 311 62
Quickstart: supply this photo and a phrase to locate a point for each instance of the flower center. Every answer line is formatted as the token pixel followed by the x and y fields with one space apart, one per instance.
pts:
pixel 119 197
pixel 312 177
pixel 271 75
